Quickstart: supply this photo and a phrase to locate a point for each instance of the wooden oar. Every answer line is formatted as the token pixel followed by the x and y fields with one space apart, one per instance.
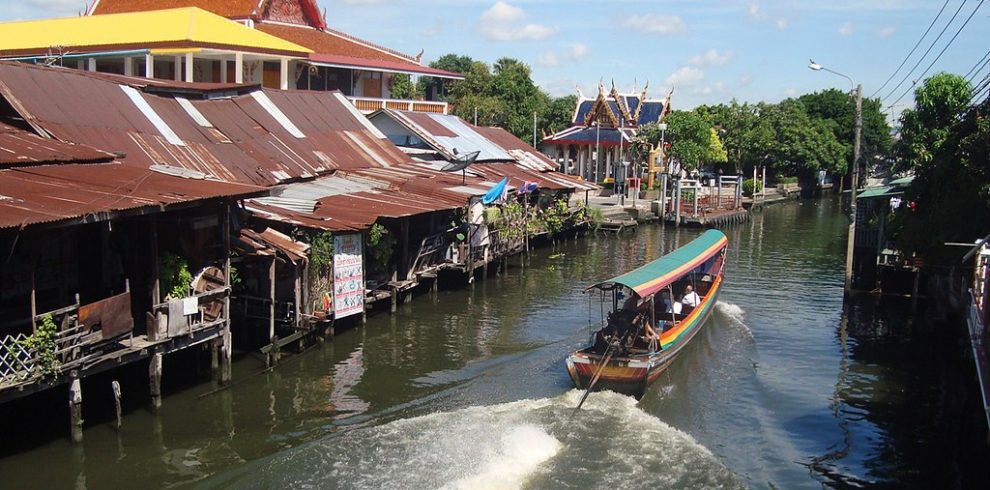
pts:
pixel 594 380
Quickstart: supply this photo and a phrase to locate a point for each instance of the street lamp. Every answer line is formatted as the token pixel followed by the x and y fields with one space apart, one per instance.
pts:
pixel 858 89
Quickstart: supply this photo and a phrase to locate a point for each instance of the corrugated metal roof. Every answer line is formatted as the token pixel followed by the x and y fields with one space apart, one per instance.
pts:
pixel 33 195
pixel 523 154
pixel 446 133
pixel 244 140
pixel 19 148
pixel 269 242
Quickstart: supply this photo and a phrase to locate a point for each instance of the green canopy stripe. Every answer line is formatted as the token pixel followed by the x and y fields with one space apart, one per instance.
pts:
pixel 652 277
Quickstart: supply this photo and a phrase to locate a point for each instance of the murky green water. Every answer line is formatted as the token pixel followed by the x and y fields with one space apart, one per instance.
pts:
pixel 467 389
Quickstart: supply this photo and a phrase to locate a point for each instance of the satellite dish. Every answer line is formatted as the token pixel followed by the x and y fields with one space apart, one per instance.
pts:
pixel 461 162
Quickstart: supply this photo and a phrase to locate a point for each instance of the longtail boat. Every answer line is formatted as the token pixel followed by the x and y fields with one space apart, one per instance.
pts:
pixel 650 319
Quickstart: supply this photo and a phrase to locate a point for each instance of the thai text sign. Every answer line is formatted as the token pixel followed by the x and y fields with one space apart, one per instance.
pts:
pixel 348 275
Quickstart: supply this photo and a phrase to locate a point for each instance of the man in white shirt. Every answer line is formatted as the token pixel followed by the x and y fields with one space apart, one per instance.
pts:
pixel 691 298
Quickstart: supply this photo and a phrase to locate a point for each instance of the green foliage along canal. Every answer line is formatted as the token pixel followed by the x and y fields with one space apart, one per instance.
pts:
pixel 467 389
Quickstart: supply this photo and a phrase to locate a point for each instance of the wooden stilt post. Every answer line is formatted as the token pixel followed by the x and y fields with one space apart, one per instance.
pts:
pixel 214 355
pixel 115 386
pixel 272 338
pixel 155 380
pixel 75 408
pixel 34 299
pixel 226 347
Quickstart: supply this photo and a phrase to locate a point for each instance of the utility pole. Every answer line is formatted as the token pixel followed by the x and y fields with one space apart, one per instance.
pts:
pixel 854 185
pixel 534 129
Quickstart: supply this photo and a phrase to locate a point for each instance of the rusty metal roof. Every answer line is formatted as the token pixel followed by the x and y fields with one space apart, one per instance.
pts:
pixel 352 200
pixel 95 192
pixel 270 242
pixel 262 138
pixel 20 148
pixel 445 133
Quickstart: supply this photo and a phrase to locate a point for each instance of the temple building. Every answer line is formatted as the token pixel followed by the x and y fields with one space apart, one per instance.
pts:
pixel 282 44
pixel 601 131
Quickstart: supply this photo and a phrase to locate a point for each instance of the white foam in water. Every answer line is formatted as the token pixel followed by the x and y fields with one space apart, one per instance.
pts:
pixel 523 449
pixel 734 313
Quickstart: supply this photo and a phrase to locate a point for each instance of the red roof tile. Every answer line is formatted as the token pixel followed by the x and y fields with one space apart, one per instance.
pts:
pixel 236 9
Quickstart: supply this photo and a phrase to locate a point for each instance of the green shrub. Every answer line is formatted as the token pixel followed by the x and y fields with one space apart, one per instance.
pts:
pixel 174 274
pixel 750 186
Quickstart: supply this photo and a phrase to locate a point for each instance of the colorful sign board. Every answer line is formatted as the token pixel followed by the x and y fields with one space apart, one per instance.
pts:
pixel 348 275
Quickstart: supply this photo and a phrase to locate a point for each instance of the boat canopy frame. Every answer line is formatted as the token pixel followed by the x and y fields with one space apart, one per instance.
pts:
pixel 652 277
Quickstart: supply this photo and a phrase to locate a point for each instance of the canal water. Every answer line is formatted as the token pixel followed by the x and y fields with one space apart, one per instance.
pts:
pixel 784 388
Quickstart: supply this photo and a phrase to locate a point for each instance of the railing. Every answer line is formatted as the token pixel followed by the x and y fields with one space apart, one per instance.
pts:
pixel 183 316
pixel 76 339
pixel 431 251
pixel 369 105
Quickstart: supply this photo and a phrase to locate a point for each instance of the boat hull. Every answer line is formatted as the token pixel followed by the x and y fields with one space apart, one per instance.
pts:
pixel 632 374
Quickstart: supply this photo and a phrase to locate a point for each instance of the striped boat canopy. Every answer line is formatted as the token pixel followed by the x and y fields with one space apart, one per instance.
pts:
pixel 656 275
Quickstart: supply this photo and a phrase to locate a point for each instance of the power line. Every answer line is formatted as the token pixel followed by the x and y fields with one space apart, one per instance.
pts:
pixel 892 75
pixel 930 65
pixel 977 68
pixel 929 50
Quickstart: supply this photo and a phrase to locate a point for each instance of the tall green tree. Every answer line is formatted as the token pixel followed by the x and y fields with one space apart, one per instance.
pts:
pixel 748 137
pixel 947 145
pixel 559 114
pixel 803 145
pixel 690 138
pixel 927 127
pixel 838 108
pixel 443 86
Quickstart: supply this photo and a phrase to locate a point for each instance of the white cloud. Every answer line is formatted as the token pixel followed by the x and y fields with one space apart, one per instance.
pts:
pixel 578 51
pixel 547 59
pixel 846 29
pixel 791 92
pixel 655 24
pixel 745 80
pixel 711 58
pixel 886 31
pixel 685 76
pixel 503 22
pixel 756 13
pixel 562 86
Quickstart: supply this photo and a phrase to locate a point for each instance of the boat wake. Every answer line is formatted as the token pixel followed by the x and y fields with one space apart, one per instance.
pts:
pixel 524 444
pixel 735 314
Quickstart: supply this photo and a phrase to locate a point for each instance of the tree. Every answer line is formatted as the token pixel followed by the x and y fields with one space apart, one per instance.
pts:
pixel 803 145
pixel 747 137
pixel 559 114
pixel 690 138
pixel 946 144
pixel 839 109
pixel 519 95
pixel 926 128
pixel 403 88
pixel 443 86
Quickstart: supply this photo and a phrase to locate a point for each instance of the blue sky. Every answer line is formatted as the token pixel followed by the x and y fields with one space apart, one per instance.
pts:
pixel 707 51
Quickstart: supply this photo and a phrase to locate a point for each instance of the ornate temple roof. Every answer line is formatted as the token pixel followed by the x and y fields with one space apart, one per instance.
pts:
pixel 617 115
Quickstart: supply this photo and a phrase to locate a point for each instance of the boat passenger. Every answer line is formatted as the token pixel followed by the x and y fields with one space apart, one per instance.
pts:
pixel 690 298
pixel 676 307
